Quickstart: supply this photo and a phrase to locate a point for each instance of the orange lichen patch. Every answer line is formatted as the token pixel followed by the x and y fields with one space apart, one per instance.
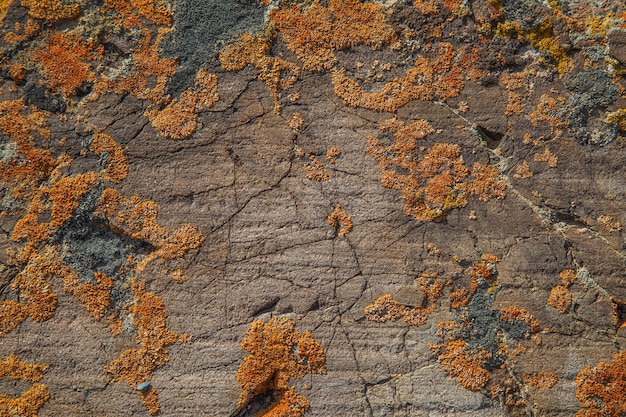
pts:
pixel 339 218
pixel 37 300
pixel 137 218
pixel 546 111
pixel 296 122
pixel 466 367
pixel 541 379
pixel 278 354
pixel 65 62
pixel 4 6
pixel 60 199
pixel 568 276
pixel 520 314
pixel 178 276
pixel 29 402
pixel 427 7
pixel 17 73
pixel 609 224
pixel 385 308
pixel 441 78
pixel 486 184
pixel 314 34
pixel 513 82
pixel 26 405
pixel 51 10
pixel 602 389
pixel 547 156
pixel 96 298
pixel 137 365
pixel 149 72
pixel 617 118
pixel 253 50
pixel 619 312
pixel 178 120
pixel 156 11
pixel 24 172
pixel 315 169
pixel 332 153
pixel 523 171
pixel 560 298
pixel 433 250
pixel 115 325
pixel 116 170
pixel 14 368
pixel 459 298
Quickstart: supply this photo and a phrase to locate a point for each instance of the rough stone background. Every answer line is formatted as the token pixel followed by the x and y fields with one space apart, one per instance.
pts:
pixel 269 251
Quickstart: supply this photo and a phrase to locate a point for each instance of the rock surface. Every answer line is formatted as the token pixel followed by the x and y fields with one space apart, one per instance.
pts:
pixel 466 192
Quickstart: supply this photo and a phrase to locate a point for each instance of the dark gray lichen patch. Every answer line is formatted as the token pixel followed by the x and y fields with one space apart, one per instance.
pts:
pixel 592 92
pixel 483 328
pixel 201 29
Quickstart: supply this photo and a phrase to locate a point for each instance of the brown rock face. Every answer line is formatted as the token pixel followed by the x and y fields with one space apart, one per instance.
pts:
pixel 315 209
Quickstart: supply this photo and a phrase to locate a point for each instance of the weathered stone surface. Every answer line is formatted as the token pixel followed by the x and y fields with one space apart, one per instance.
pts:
pixel 243 178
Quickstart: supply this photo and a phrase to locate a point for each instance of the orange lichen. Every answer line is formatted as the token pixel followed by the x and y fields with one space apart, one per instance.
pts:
pixel 65 61
pixel 315 33
pixel 115 325
pixel 37 300
pixel 137 218
pixel 523 171
pixel 150 72
pixel 296 122
pixel 602 388
pixel 520 314
pixel 439 181
pixel 14 368
pixel 340 219
pixel 253 50
pixel 278 354
pixel 619 312
pixel 116 170
pixel 609 224
pixel 96 298
pixel 385 308
pixel 51 10
pixel 332 153
pixel 178 276
pixel 29 403
pixel 486 184
pixel 541 379
pixel 315 169
pixel 137 365
pixel 546 111
pixel 23 173
pixel 459 298
pixel 440 78
pixel 560 298
pixel 457 362
pixel 513 82
pixel 178 120
pixel 547 156
pixel 567 276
